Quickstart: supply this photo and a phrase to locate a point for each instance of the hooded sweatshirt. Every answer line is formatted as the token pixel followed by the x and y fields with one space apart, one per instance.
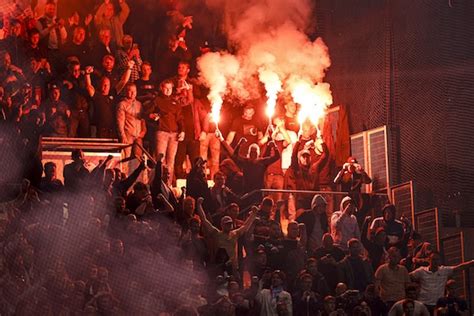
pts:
pixel 344 227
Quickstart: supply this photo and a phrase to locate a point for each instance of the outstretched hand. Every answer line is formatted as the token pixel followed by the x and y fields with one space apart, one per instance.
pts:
pixel 199 201
pixel 243 140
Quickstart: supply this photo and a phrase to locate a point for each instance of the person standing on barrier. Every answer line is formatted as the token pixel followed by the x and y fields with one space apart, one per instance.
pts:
pixel 166 112
pixel 130 122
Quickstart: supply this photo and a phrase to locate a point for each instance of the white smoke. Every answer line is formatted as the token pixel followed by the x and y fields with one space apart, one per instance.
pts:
pixel 271 45
pixel 216 70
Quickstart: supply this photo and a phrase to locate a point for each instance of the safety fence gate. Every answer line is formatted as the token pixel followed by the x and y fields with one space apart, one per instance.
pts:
pixel 452 250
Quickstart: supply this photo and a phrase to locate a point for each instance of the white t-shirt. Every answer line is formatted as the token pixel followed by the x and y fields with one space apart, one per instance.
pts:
pixel 432 284
pixel 288 151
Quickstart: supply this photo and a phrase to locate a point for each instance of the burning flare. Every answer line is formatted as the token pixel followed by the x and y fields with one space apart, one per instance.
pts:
pixel 273 86
pixel 314 99
pixel 215 70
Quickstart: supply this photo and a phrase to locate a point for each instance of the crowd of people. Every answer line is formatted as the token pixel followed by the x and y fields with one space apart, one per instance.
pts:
pixel 108 242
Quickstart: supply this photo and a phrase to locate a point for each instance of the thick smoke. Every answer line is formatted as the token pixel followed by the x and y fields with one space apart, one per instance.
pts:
pixel 271 46
pixel 61 237
pixel 220 68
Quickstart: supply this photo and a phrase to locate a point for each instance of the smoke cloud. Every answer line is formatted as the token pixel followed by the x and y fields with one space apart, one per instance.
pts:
pixel 271 46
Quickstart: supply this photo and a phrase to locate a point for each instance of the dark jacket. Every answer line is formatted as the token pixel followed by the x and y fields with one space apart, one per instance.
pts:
pixel 254 170
pixel 309 219
pixel 158 186
pixel 349 276
pixel 171 118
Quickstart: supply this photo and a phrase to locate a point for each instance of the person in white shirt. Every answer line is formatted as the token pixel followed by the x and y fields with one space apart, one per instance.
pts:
pixel 432 279
pixel 344 224
pixel 275 298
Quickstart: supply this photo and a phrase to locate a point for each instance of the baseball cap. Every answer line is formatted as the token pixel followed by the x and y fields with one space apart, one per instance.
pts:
pixel 226 220
pixel 303 152
pixel 351 160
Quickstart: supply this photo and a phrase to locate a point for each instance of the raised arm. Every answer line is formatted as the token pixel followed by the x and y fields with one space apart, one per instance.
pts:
pixel 155 187
pixel 167 207
pixel 89 87
pixel 121 122
pixel 125 184
pixel 206 223
pixel 125 77
pixel 274 157
pixel 464 265
pixel 125 11
pixel 236 156
pixel 224 144
pixel 44 31
pixel 322 160
pixel 337 218
pixel 340 174
pixel 248 223
pixel 365 228
pixel 99 15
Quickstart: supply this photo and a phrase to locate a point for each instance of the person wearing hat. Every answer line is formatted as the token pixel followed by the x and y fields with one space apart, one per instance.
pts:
pixel 344 224
pixel 316 222
pixel 227 237
pixel 352 176
pixel 301 176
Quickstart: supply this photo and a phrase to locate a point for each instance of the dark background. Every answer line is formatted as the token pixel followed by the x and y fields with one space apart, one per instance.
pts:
pixel 409 65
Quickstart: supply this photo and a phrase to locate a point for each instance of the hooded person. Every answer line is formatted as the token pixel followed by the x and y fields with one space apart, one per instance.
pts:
pixel 344 224
pixel 299 177
pixel 316 222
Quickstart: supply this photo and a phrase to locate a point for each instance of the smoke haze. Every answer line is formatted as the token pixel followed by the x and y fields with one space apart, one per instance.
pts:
pixel 271 46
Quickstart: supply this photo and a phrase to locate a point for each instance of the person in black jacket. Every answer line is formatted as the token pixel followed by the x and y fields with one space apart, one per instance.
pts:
pixel 305 300
pixel 196 183
pixel 160 189
pixel 76 174
pixel 316 222
pixel 254 167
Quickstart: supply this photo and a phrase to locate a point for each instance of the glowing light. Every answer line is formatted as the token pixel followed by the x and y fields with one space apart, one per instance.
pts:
pixel 216 111
pixel 314 100
pixel 273 86
pixel 215 70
